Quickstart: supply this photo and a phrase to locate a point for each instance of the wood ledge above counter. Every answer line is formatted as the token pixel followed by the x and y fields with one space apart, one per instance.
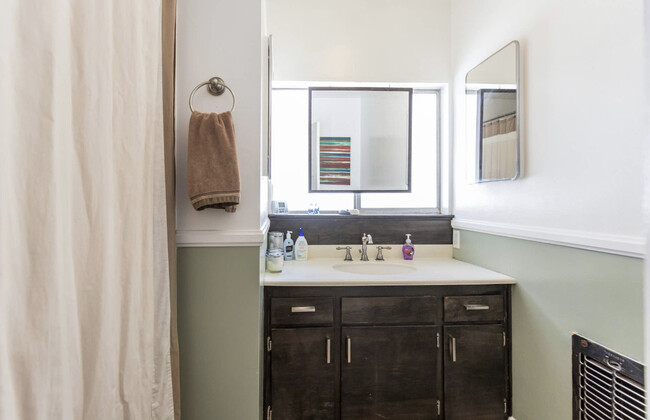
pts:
pixel 329 229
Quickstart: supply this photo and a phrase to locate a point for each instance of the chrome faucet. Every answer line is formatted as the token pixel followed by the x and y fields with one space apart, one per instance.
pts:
pixel 380 255
pixel 348 256
pixel 365 241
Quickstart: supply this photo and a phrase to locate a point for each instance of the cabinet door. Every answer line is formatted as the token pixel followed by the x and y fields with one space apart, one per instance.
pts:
pixel 303 373
pixel 390 373
pixel 475 372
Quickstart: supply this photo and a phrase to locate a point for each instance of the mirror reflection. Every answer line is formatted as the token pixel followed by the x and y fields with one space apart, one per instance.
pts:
pixel 360 139
pixel 492 109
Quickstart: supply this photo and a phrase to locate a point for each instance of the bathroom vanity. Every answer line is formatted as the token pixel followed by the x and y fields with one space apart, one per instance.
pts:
pixel 430 341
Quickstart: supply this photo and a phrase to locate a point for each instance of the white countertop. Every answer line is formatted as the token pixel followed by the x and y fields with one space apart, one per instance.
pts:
pixel 432 265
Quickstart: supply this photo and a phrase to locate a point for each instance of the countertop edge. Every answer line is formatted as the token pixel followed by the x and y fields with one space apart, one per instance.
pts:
pixel 370 283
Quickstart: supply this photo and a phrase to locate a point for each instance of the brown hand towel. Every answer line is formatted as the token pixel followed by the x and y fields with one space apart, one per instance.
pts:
pixel 212 167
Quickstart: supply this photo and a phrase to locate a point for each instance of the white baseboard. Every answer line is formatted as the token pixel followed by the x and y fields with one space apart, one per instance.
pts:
pixel 630 246
pixel 222 238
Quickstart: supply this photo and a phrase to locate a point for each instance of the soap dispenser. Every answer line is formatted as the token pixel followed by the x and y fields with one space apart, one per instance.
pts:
pixel 288 247
pixel 301 247
pixel 408 249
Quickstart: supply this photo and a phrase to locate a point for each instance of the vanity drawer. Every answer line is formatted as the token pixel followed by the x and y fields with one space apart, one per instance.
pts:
pixel 474 308
pixel 390 310
pixel 302 311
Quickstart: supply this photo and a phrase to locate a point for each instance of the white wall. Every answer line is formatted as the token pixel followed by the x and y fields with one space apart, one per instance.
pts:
pixel 225 39
pixel 360 40
pixel 582 121
pixel 385 124
pixel 582 154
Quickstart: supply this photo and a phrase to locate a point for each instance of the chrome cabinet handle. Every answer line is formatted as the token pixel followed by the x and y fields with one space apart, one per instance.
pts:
pixel 474 307
pixel 303 309
pixel 329 350
pixel 349 340
pixel 452 347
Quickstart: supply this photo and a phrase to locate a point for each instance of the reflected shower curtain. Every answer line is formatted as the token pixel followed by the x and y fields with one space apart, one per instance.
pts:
pixel 84 278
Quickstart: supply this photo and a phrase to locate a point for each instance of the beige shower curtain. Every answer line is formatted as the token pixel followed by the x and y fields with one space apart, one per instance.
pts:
pixel 169 87
pixel 499 148
pixel 84 260
pixel 499 126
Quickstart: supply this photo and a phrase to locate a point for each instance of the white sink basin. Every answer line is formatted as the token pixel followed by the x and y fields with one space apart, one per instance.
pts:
pixel 378 268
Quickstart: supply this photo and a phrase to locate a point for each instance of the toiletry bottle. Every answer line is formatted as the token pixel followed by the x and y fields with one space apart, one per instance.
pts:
pixel 408 249
pixel 288 247
pixel 301 247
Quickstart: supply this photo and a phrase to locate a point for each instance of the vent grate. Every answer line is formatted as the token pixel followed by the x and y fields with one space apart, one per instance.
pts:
pixel 606 385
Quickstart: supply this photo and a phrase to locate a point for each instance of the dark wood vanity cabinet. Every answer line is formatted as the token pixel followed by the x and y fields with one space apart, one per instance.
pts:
pixel 390 372
pixel 303 373
pixel 398 352
pixel 475 372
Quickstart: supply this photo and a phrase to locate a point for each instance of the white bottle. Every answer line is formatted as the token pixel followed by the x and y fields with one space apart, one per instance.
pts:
pixel 288 247
pixel 301 249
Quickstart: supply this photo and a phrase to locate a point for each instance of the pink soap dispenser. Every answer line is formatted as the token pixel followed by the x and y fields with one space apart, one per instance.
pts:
pixel 408 249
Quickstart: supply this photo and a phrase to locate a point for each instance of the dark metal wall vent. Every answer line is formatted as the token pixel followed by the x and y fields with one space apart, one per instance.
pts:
pixel 606 385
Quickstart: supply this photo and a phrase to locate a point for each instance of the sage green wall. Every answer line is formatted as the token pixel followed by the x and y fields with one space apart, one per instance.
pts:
pixel 219 322
pixel 560 290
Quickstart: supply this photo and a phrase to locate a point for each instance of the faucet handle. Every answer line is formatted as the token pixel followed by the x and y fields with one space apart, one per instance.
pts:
pixel 380 254
pixel 348 255
pixel 369 239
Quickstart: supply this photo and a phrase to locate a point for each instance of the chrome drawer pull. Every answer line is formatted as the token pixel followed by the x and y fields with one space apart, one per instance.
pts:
pixel 349 350
pixel 303 309
pixel 452 347
pixel 329 350
pixel 473 307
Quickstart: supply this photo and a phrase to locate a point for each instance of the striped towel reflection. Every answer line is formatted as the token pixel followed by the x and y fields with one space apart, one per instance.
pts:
pixel 335 160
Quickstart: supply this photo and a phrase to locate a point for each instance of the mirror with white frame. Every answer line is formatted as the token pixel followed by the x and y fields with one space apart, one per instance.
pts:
pixel 360 139
pixel 492 91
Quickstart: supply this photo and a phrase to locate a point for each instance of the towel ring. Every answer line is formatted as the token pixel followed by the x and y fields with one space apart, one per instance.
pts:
pixel 216 86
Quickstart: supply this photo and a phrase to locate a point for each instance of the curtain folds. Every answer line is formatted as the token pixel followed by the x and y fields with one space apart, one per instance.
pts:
pixel 169 78
pixel 85 292
pixel 500 126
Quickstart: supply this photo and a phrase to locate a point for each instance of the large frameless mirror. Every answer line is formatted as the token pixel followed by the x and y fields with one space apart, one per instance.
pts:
pixel 360 139
pixel 492 91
